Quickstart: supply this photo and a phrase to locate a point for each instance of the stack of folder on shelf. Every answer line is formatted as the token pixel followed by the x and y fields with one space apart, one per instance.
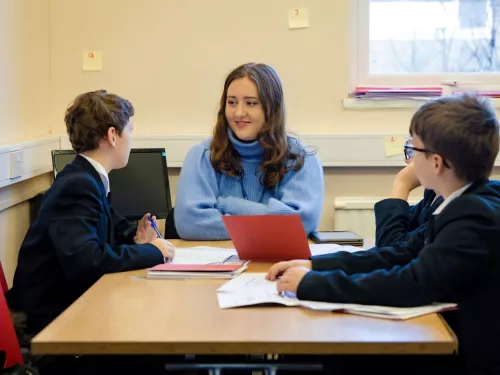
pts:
pixel 489 94
pixel 391 93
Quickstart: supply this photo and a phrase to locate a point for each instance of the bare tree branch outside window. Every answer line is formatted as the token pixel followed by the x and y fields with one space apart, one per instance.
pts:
pixel 434 36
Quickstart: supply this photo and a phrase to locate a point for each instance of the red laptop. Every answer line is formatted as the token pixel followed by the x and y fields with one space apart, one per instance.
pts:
pixel 268 238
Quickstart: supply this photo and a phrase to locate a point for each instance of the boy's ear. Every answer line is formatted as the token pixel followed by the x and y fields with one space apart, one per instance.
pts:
pixel 111 136
pixel 438 163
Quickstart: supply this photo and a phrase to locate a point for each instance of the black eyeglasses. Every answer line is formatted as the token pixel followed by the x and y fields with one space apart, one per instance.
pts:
pixel 410 150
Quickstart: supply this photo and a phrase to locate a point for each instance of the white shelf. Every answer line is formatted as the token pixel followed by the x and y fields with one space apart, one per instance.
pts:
pixel 383 104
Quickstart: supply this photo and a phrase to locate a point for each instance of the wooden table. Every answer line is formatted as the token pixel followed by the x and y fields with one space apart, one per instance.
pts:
pixel 127 314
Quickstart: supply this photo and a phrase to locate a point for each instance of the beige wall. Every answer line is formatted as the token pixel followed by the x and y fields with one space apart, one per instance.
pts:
pixel 24 69
pixel 170 58
pixel 24 108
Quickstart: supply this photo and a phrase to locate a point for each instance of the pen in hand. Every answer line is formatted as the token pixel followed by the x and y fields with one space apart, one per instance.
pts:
pixel 158 234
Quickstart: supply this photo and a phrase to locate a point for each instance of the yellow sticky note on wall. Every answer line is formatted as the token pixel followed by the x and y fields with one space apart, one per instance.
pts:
pixel 298 18
pixel 92 61
pixel 394 145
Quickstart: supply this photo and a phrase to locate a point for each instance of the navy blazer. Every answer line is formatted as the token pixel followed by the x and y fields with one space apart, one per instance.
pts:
pixel 396 221
pixel 459 262
pixel 76 238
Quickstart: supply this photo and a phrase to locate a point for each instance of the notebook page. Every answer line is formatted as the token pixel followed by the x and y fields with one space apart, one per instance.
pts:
pixel 248 280
pixel 252 288
pixel 204 255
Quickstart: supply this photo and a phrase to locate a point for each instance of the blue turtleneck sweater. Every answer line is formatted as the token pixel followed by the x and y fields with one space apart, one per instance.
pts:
pixel 204 195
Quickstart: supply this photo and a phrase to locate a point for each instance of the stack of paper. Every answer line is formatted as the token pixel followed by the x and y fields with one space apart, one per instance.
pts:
pixel 330 248
pixel 489 94
pixel 253 289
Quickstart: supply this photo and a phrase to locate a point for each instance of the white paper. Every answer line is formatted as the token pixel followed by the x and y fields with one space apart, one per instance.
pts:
pixel 205 255
pixel 252 289
pixel 253 296
pixel 248 281
pixel 330 248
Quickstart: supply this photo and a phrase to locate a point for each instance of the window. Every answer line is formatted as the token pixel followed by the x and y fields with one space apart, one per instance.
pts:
pixel 425 42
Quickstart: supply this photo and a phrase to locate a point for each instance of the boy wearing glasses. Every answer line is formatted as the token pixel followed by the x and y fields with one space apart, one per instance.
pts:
pixel 395 220
pixel 455 143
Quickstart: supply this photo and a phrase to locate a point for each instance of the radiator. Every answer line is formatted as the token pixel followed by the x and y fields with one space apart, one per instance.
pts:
pixel 356 214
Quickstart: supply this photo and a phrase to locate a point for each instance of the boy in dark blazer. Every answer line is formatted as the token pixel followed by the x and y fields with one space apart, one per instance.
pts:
pixel 77 236
pixel 456 141
pixel 395 220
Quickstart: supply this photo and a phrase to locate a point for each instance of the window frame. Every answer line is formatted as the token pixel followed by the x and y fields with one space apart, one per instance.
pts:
pixel 359 56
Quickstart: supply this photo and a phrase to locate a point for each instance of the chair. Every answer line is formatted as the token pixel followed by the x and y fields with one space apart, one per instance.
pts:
pixel 8 339
pixel 3 280
pixel 170 230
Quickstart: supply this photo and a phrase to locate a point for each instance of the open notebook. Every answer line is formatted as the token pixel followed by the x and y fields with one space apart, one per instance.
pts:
pixel 253 289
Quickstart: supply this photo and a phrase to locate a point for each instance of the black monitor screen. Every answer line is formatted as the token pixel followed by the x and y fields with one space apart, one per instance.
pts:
pixel 140 187
pixel 61 159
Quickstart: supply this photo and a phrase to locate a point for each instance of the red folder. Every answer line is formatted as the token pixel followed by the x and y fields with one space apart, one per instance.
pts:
pixel 268 238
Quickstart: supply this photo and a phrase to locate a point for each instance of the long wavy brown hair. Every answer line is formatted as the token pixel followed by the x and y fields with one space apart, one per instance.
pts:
pixel 278 155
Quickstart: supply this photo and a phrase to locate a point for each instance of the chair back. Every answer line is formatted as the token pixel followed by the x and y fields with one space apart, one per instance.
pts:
pixel 8 338
pixel 170 230
pixel 3 280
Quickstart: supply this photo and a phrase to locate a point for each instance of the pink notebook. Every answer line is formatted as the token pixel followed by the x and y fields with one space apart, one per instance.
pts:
pixel 203 271
pixel 195 267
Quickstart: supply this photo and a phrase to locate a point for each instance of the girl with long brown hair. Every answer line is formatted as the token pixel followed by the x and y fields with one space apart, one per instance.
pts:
pixel 250 166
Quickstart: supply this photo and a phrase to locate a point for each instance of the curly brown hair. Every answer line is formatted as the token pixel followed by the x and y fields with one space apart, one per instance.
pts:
pixel 90 116
pixel 279 158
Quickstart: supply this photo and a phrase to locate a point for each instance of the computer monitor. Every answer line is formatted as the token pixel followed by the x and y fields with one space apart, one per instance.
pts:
pixel 141 187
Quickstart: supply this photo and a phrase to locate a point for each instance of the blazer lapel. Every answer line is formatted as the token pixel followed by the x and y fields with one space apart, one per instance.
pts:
pixel 107 207
pixel 437 202
pixel 429 235
pixel 84 164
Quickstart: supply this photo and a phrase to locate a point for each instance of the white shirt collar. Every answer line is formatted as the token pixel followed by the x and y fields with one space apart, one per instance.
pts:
pixel 100 169
pixel 452 196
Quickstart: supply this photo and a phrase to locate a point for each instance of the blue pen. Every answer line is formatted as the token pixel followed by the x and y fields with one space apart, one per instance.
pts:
pixel 158 234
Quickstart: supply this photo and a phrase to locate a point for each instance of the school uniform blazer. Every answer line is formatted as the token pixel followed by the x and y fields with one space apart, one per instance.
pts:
pixel 396 221
pixel 459 262
pixel 76 238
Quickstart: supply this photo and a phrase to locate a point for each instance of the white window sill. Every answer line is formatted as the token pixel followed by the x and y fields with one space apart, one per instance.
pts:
pixel 377 104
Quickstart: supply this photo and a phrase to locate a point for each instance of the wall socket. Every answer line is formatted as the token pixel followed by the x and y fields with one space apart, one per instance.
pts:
pixel 16 163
